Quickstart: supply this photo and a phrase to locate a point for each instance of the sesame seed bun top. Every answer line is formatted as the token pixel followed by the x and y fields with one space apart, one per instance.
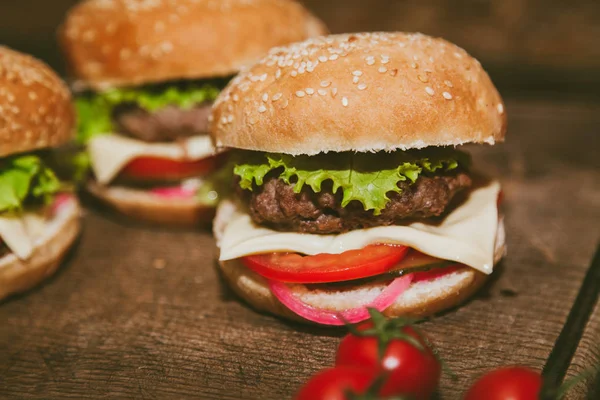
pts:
pixel 35 105
pixel 360 92
pixel 111 43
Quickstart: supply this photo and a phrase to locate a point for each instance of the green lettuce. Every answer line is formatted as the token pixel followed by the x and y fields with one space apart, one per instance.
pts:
pixel 364 177
pixel 25 178
pixel 95 111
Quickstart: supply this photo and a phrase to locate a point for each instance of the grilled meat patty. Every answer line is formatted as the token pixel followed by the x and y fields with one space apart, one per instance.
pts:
pixel 274 204
pixel 164 125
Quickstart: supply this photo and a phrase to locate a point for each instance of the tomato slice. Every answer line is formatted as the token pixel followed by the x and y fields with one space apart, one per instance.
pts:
pixel 154 168
pixel 435 273
pixel 323 268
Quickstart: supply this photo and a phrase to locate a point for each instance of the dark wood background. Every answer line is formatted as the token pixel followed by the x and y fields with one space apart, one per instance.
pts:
pixel 141 313
pixel 542 45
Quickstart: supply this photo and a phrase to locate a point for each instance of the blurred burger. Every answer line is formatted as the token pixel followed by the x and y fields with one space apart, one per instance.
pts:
pixel 146 73
pixel 38 220
pixel 350 191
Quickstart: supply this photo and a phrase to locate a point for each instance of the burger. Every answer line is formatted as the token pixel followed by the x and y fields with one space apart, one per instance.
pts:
pixel 39 220
pixel 146 74
pixel 350 189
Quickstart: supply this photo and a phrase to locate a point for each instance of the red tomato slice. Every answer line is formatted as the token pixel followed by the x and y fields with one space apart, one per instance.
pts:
pixel 165 169
pixel 435 273
pixel 322 268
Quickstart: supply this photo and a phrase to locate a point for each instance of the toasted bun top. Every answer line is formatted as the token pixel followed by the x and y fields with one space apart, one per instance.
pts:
pixel 360 92
pixel 129 42
pixel 35 105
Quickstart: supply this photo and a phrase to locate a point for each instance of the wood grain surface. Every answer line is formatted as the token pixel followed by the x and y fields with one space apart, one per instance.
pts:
pixel 141 313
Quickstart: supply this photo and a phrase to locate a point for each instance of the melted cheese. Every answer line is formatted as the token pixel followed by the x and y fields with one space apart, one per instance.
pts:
pixel 111 153
pixel 20 233
pixel 467 235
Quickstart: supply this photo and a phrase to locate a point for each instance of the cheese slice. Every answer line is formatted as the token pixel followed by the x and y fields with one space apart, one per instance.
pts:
pixel 467 235
pixel 111 153
pixel 20 233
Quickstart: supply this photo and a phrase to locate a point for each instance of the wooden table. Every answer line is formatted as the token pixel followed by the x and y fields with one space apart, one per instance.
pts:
pixel 141 313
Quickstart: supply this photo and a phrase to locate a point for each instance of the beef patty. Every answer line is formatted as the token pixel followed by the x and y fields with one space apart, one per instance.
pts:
pixel 274 204
pixel 163 125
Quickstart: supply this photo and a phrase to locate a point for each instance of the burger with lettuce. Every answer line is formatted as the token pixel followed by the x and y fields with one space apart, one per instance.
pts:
pixel 146 75
pixel 39 217
pixel 350 190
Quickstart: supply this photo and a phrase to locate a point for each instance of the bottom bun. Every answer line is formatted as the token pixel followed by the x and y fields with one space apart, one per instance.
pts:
pixel 147 207
pixel 421 299
pixel 20 275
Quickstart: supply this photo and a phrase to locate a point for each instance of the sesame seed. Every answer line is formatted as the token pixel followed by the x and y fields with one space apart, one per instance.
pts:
pixel 277 96
pixel 310 91
pixel 333 57
pixel 334 92
pixel 500 108
pixel 325 84
pixel 357 73
pixel 429 91
pixel 300 93
pixel 285 104
pixel 223 120
pixel 447 96
pixel 294 73
pixel 355 79
pixel 230 119
pixel 362 86
pixel 322 92
pixel 236 98
pixel 345 101
pixel 265 97
pixel 159 26
pixel 124 54
pixel 278 74
pixel 323 58
pixel 448 83
pixel 262 108
pixel 423 79
pixel 263 77
pixel 383 70
pixel 414 65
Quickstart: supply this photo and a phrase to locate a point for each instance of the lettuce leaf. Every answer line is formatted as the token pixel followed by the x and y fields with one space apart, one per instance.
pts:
pixel 25 178
pixel 95 111
pixel 364 177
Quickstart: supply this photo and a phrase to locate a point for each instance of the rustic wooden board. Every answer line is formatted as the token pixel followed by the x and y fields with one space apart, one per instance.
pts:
pixel 141 313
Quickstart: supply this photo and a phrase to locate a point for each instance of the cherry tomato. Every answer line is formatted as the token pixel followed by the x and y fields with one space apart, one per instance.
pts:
pixel 334 383
pixel 152 168
pixel 412 371
pixel 353 264
pixel 510 383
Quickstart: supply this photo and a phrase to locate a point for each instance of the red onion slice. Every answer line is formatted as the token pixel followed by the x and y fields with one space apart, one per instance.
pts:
pixel 328 317
pixel 178 192
pixel 60 201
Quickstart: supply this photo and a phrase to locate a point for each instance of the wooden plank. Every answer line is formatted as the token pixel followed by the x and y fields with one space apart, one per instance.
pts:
pixel 117 322
pixel 572 332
